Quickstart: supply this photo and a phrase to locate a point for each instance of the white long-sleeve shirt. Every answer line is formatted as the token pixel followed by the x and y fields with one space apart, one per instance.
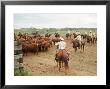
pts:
pixel 78 37
pixel 61 44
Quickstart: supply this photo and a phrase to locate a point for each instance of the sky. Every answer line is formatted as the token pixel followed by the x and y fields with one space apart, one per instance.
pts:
pixel 36 20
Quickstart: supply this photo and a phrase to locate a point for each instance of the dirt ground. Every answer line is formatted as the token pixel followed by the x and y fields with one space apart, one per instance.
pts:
pixel 80 63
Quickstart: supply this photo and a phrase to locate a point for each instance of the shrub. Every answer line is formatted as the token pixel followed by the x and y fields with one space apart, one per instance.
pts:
pixel 23 72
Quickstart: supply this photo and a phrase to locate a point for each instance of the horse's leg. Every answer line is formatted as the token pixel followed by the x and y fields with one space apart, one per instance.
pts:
pixel 59 65
pixel 26 52
pixel 46 48
pixel 62 64
pixel 66 67
pixel 75 49
pixel 37 51
pixel 91 41
pixel 51 44
pixel 83 47
pixel 80 47
pixel 34 51
pixel 56 60
pixel 96 40
pixel 23 53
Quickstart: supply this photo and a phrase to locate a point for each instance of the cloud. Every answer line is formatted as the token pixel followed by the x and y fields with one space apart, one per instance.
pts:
pixel 55 20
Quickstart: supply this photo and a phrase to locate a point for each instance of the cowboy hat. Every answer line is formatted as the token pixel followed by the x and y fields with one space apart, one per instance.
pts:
pixel 61 38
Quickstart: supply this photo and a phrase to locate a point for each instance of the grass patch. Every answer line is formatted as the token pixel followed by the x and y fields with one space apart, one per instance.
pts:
pixel 24 72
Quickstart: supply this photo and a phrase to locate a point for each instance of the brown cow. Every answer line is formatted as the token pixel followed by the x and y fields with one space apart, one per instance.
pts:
pixel 55 40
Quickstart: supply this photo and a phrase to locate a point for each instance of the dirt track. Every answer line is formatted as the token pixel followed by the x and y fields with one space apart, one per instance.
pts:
pixel 80 63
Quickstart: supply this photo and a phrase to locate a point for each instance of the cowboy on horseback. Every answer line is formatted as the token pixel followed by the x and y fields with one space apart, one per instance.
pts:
pixel 62 57
pixel 78 38
pixel 61 46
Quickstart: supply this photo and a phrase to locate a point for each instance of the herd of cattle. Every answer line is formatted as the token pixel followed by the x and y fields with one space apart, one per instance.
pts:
pixel 36 42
